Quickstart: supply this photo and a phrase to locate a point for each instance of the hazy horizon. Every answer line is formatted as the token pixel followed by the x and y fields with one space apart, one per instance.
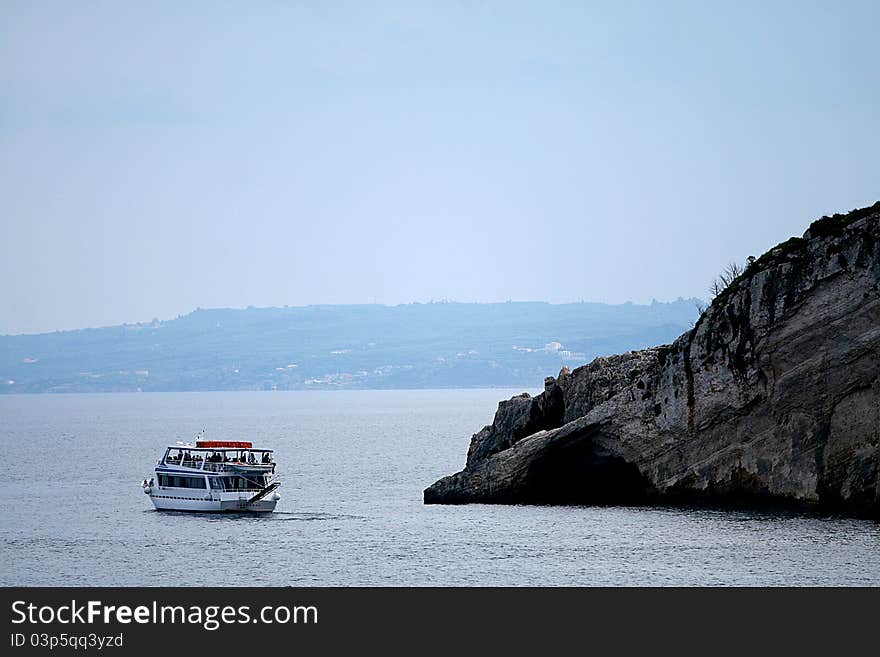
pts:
pixel 384 305
pixel 159 158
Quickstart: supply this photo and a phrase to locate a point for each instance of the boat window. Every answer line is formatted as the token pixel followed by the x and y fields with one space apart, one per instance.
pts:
pixel 215 483
pixel 181 482
pixel 250 482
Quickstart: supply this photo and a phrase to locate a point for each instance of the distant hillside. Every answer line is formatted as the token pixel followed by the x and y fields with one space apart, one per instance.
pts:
pixel 319 347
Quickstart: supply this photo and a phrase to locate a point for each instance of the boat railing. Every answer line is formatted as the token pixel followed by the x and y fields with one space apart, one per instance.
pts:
pixel 230 466
pixel 215 466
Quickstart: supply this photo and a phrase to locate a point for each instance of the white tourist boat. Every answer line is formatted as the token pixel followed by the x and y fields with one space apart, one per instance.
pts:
pixel 215 476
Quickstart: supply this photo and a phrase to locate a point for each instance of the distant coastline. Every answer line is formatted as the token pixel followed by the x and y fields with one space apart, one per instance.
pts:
pixel 413 346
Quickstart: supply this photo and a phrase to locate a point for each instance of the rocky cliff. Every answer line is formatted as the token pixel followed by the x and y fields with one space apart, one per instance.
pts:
pixel 773 396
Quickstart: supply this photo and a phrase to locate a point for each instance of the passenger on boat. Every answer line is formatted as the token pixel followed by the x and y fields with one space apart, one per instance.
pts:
pixel 265 457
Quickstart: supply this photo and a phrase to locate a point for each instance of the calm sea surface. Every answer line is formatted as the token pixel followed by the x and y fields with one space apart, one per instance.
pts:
pixel 354 465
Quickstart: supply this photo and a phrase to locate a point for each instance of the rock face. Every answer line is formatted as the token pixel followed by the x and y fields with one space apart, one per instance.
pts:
pixel 773 396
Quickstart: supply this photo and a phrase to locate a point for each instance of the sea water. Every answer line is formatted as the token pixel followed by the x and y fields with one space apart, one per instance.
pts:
pixel 353 465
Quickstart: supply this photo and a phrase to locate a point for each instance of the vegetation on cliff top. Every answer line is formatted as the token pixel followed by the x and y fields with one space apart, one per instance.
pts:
pixel 827 226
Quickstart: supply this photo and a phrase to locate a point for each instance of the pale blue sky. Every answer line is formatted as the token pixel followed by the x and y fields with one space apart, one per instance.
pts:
pixel 159 156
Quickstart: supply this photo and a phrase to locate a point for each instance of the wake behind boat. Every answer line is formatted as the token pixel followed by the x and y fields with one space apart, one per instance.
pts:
pixel 215 476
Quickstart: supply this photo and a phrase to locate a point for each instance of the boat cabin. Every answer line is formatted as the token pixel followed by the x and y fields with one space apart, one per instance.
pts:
pixel 240 482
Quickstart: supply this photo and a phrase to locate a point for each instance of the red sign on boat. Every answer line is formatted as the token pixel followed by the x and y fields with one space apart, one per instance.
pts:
pixel 234 444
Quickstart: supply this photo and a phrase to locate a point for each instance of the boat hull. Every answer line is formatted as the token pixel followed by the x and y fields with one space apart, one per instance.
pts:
pixel 169 501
